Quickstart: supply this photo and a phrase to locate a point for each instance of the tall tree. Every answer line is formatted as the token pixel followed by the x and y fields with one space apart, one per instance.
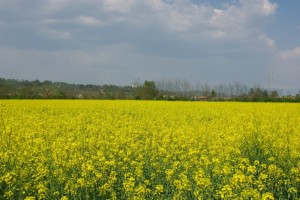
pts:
pixel 149 90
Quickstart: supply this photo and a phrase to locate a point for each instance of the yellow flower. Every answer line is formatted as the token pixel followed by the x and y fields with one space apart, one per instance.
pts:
pixel 226 192
pixel 251 169
pixel 145 150
pixel 268 196
pixel 271 159
pixel 201 180
pixel 226 170
pixel 250 194
pixel 80 182
pixel 238 180
pixel 293 190
pixel 9 194
pixel 159 188
pixel 29 198
pixel 64 198
pixel 256 162
pixel 129 184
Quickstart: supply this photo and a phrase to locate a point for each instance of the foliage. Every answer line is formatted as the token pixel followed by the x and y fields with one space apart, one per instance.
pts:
pixel 148 90
pixel 19 89
pixel 159 90
pixel 58 149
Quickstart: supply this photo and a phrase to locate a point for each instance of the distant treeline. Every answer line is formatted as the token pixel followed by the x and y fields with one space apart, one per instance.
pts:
pixel 156 90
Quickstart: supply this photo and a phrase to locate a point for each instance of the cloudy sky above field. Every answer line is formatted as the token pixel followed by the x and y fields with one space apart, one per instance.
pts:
pixel 119 41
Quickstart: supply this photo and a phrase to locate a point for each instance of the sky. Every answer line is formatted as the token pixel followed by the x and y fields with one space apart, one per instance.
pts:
pixel 254 42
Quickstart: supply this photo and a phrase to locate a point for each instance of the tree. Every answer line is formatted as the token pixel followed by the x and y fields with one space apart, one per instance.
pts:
pixel 148 90
pixel 187 86
pixel 298 97
pixel 274 95
pixel 205 90
pixel 213 93
pixel 257 94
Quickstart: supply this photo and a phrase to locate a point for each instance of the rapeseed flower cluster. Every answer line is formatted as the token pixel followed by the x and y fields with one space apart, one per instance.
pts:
pixel 57 149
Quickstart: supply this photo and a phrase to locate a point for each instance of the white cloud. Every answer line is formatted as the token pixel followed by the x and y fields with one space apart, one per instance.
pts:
pixel 59 34
pixel 96 66
pixel 214 34
pixel 117 64
pixel 268 8
pixel 82 20
pixel 51 6
pixel 286 68
pixel 119 5
pixel 160 33
pixel 291 54
pixel 230 22
pixel 183 20
pixel 261 7
pixel 178 17
pixel 156 4
pixel 267 41
pixel 51 21
pixel 89 21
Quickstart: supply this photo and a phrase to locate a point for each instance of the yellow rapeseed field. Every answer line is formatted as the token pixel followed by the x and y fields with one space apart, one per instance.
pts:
pixel 64 149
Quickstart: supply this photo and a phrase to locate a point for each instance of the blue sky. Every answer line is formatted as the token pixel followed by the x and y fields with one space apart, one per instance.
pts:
pixel 255 42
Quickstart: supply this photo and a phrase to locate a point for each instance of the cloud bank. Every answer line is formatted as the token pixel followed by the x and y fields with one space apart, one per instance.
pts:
pixel 117 41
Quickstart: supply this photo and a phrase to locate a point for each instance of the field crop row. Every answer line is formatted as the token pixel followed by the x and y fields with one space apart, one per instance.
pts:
pixel 149 150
